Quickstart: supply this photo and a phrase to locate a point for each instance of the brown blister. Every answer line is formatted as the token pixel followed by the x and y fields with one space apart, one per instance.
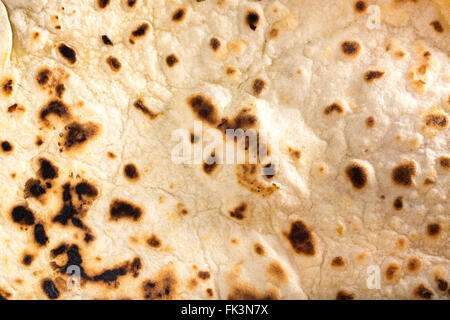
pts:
pixel 163 287
pixel 301 239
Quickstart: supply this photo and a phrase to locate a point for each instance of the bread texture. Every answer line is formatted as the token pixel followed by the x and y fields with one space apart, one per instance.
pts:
pixel 351 99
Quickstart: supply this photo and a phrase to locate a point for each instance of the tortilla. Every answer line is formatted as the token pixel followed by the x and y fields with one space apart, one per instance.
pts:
pixel 350 99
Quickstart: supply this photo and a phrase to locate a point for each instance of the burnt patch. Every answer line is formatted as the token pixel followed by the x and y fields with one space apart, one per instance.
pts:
pixel 78 134
pixel 437 26
pixel 351 48
pixel 7 86
pixel 140 105
pixel 344 295
pixel 445 163
pixel 301 239
pixel 34 189
pixel 27 259
pixel 214 43
pixel 47 171
pixel 131 171
pixel 122 209
pixel 102 3
pixel 106 40
pixel 258 86
pixel 372 75
pixel 40 236
pixel 114 63
pixel 392 271
pixel 252 19
pixel 140 32
pixel 67 53
pixel 204 275
pixel 132 3
pixel 403 174
pixel 135 267
pixel 154 241
pixel 22 215
pixel 414 264
pixel 357 174
pixel 6 146
pixel 210 164
pixel 179 15
pixel 438 121
pixel 163 287
pixel 423 292
pixel 259 249
pixel 50 289
pixel 15 107
pixel 338 262
pixel 171 60
pixel 204 108
pixel 243 120
pixel 334 107
pixel 434 229
pixel 56 108
pixel 442 284
pixel 370 122
pixel 398 203
pixel 43 76
pixel 85 190
pixel 238 212
pixel 360 6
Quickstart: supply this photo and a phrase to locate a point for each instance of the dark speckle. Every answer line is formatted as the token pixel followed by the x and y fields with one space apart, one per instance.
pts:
pixel 54 107
pixel 39 234
pixel 334 107
pixel 131 172
pixel 360 6
pixel 78 134
pixel 141 30
pixel 6 146
pixel 238 212
pixel 114 63
pixel 423 292
pixel 214 43
pixel 119 209
pixel 433 229
pixel 252 20
pixel 258 86
pixel 50 289
pixel 103 3
pixel 357 175
pixel 351 48
pixel 7 86
pixel 398 203
pixel 33 188
pixel 43 76
pixel 106 40
pixel 154 242
pixel 47 170
pixel 372 75
pixel 370 121
pixel 203 107
pixel 179 15
pixel 140 105
pixel 439 121
pixel 171 60
pixel 85 189
pixel 27 259
pixel 444 162
pixel 68 53
pixel 131 3
pixel 301 238
pixel 441 284
pixel 344 295
pixel 403 174
pixel 437 26
pixel 338 262
pixel 204 275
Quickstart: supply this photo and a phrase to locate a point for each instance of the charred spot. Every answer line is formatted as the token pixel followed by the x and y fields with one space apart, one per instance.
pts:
pixel 209 292
pixel 214 43
pixel 301 239
pixel 437 26
pixel 106 40
pixel 350 48
pixel 33 188
pixel 334 107
pixel 68 53
pixel 439 121
pixel 441 284
pixel 276 270
pixel 102 3
pixel 119 209
pixel 398 203
pixel 39 235
pixel 140 105
pixel 7 86
pixel 433 229
pixel 85 189
pixel 392 270
pixel 444 162
pixel 179 15
pixel 243 120
pixel 423 292
pixel 6 146
pixel 131 3
pixel 22 215
pixel 403 174
pixel 15 107
pixel 50 289
pixel 338 262
pixel 60 89
pixel 54 107
pixel 162 288
pixel 238 212
pixel 27 259
pixel 210 164
pixel 47 170
pixel 78 134
pixel 111 155
pixel 258 86
pixel 204 275
pixel 274 33
pixel 135 267
pixel 154 241
pixel 141 30
pixel 370 121
pixel 252 19
pixel 88 238
pixel 43 76
pixel 61 249
pixel 372 75
pixel 259 249
pixel 414 264
pixel 114 63
pixel 360 6
pixel 357 175
pixel 109 276
pixel 204 108
pixel 131 172
pixel 345 295
pixel 171 60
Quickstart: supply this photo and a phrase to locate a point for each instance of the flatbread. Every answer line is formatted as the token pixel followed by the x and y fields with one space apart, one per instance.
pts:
pixel 350 98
